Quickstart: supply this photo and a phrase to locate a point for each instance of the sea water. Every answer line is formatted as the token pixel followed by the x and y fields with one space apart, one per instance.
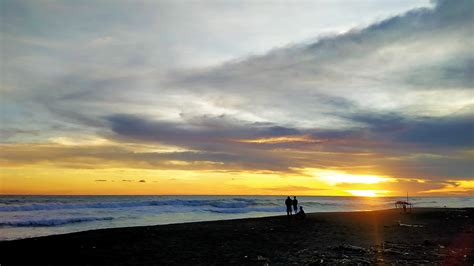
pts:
pixel 32 216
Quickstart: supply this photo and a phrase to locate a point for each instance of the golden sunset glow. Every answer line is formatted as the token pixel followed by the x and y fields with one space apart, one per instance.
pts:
pixel 99 166
pixel 335 177
pixel 453 187
pixel 285 139
pixel 51 180
pixel 368 193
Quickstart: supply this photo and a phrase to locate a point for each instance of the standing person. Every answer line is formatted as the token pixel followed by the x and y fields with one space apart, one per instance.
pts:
pixel 295 204
pixel 288 203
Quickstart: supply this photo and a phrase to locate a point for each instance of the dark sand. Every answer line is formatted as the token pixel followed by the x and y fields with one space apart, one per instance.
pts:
pixel 446 238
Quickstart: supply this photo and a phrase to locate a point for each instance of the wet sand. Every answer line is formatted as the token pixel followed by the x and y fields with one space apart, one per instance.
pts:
pixel 426 236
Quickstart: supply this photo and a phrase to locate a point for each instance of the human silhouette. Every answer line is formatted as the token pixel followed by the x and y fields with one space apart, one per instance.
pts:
pixel 295 204
pixel 301 214
pixel 288 203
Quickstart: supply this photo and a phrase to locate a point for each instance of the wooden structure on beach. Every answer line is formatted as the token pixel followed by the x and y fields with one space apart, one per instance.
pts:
pixel 405 205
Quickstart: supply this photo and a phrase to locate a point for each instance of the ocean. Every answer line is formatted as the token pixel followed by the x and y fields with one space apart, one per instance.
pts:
pixel 32 216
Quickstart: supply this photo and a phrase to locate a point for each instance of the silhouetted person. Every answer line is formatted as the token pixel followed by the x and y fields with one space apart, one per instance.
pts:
pixel 301 214
pixel 295 204
pixel 288 203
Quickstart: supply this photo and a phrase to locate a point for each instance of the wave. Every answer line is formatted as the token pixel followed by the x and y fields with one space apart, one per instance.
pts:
pixel 312 203
pixel 425 202
pixel 53 222
pixel 234 203
pixel 246 210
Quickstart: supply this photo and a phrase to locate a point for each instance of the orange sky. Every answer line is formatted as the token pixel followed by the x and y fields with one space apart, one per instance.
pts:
pixel 62 167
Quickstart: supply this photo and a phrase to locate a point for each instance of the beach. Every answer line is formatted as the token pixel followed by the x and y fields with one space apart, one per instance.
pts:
pixel 443 236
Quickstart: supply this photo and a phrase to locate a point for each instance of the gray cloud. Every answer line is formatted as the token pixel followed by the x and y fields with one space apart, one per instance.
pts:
pixel 7 133
pixel 400 64
pixel 384 136
pixel 455 131
pixel 197 129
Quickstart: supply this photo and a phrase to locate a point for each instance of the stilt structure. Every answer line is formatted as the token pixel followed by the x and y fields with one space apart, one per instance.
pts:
pixel 406 206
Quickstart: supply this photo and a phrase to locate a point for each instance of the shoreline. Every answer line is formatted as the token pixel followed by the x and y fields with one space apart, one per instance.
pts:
pixel 428 235
pixel 207 221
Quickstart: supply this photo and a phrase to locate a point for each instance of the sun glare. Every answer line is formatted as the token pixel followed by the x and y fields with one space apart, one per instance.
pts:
pixel 336 177
pixel 367 193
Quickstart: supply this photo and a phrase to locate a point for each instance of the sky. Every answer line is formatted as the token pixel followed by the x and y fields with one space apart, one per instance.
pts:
pixel 339 98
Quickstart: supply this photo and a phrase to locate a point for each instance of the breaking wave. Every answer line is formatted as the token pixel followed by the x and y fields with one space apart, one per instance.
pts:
pixel 53 222
pixel 246 210
pixel 233 203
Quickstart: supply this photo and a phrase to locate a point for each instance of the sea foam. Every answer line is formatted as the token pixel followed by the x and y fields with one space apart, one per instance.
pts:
pixel 52 222
pixel 233 203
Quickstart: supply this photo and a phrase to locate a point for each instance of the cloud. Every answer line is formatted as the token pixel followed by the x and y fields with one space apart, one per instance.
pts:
pixel 445 131
pixel 372 69
pixel 453 130
pixel 454 187
pixel 6 133
pixel 401 64
pixel 196 129
pixel 293 188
